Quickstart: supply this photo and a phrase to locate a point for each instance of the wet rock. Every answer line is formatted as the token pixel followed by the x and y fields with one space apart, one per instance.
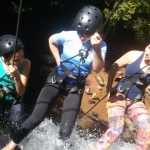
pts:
pixel 129 132
pixel 100 80
pixel 99 87
pixel 87 90
pixel 120 72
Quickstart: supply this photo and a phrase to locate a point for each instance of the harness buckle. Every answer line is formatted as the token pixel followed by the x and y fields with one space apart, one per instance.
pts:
pixel 80 91
pixel 120 89
pixel 71 76
pixel 54 79
pixel 139 83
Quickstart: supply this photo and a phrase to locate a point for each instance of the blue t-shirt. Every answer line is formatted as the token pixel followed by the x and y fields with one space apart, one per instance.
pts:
pixel 71 46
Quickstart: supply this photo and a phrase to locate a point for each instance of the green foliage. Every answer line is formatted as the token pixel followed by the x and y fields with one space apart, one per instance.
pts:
pixel 15 8
pixel 9 7
pixel 133 14
pixel 141 27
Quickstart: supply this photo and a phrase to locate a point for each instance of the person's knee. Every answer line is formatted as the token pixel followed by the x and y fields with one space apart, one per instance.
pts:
pixel 143 121
pixel 144 126
pixel 117 134
pixel 117 127
pixel 16 113
pixel 117 131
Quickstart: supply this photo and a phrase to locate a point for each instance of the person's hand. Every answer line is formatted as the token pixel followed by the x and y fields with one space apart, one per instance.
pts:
pixel 13 71
pixel 111 89
pixel 147 90
pixel 96 40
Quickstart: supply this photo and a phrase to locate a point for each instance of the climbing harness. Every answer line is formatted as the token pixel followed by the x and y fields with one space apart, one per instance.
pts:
pixel 54 78
pixel 132 80
pixel 139 81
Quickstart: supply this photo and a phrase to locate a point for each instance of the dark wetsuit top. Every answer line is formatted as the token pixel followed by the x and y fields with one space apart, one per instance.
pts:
pixel 131 68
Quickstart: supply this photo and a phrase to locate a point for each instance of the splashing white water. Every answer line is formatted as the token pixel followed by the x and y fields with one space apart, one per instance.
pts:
pixel 45 137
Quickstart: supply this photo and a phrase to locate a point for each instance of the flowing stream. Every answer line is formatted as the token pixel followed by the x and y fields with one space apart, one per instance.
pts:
pixel 45 137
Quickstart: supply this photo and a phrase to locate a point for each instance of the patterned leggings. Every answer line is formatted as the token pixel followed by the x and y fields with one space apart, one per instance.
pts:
pixel 116 107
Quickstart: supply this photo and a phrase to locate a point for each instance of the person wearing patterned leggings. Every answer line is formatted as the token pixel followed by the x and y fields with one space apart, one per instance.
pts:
pixel 127 100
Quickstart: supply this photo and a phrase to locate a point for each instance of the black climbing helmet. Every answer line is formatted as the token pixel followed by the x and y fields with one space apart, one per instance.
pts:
pixel 7 44
pixel 88 19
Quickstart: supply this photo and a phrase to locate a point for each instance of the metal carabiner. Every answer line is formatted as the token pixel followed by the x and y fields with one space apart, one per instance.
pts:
pixel 83 53
pixel 119 89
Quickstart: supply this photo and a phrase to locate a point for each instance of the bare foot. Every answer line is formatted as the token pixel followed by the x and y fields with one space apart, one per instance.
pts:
pixel 10 146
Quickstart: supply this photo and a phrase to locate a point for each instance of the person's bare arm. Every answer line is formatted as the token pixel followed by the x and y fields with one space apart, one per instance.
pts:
pixel 98 60
pixel 54 49
pixel 21 81
pixel 121 62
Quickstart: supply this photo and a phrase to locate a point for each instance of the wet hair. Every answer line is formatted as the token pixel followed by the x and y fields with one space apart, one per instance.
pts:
pixel 8 55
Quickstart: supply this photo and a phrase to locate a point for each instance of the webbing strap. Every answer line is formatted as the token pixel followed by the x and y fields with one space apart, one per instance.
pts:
pixel 56 79
pixel 127 85
pixel 69 73
pixel 83 54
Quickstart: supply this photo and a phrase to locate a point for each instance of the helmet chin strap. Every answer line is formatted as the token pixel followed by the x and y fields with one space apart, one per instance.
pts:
pixel 17 29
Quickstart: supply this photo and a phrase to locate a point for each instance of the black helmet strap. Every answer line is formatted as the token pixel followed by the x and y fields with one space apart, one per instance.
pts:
pixel 17 29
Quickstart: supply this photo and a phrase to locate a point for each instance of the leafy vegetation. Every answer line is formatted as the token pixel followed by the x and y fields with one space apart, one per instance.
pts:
pixel 132 14
pixel 128 26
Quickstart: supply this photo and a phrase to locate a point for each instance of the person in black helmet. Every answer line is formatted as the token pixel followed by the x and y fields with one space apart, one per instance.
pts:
pixel 83 50
pixel 14 71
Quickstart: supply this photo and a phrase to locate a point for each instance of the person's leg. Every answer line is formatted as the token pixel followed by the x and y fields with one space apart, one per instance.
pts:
pixel 16 113
pixel 116 106
pixel 71 108
pixel 4 112
pixel 46 96
pixel 141 118
pixel 1 112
